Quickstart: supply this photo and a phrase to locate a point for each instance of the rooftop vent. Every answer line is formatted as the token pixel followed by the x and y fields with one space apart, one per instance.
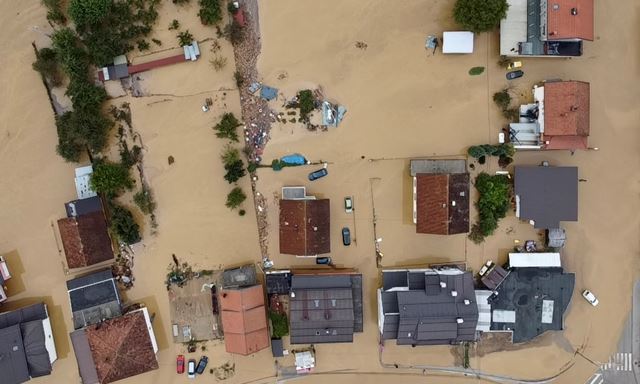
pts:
pixel 453 203
pixel 556 7
pixel 454 293
pixel 443 284
pixel 574 11
pixel 459 320
pixel 467 302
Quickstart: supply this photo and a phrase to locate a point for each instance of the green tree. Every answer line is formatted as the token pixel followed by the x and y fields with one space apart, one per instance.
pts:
pixel 235 171
pixel 123 225
pixel 230 155
pixel 210 12
pixel 185 38
pixel 307 103
pixel 480 16
pixel 54 11
pixel 235 198
pixel 492 205
pixel 175 24
pixel 475 71
pixel 502 99
pixel 279 324
pixel 110 178
pixel 47 64
pixel 88 12
pixel 226 128
pixel 476 151
pixel 144 201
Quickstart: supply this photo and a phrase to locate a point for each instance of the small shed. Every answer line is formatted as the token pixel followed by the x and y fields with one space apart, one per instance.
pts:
pixel 457 42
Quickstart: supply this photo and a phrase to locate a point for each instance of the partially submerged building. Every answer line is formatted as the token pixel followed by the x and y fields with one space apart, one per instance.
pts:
pixel 94 298
pixel 546 195
pixel 427 306
pixel 304 226
pixel 4 276
pixel 440 196
pixel 325 307
pixel 27 347
pixel 244 320
pixel 116 348
pixel 559 118
pixel 84 233
pixel 546 28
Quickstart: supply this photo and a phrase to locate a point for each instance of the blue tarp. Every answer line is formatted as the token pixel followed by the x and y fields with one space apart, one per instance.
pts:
pixel 295 159
pixel 268 93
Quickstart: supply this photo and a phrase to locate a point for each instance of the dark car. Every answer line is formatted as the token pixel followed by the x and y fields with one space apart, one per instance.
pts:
pixel 514 74
pixel 323 260
pixel 202 364
pixel 346 236
pixel 318 174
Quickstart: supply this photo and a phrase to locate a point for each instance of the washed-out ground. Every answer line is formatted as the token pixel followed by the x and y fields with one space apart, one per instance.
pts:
pixel 402 102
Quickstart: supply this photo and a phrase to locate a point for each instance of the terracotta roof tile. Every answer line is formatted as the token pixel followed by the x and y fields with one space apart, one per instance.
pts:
pixel 566 114
pixel 563 24
pixel 121 347
pixel 436 213
pixel 304 227
pixel 244 320
pixel 85 239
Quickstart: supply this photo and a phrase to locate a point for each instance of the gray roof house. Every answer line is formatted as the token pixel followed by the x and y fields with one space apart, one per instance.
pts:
pixel 325 308
pixel 27 348
pixel 546 195
pixel 94 298
pixel 427 306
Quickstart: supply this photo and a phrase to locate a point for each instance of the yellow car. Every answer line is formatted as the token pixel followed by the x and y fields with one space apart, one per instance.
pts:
pixel 514 65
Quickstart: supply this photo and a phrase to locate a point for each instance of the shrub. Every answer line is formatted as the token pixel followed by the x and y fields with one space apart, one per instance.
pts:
pixel 504 61
pixel 218 62
pixel 230 155
pixel 502 99
pixel 185 38
pixel 479 16
pixel 279 324
pixel 175 24
pixel 143 45
pixel 242 212
pixel 210 12
pixel 237 75
pixel 476 151
pixel 226 128
pixel 157 42
pixel 144 201
pixel 110 178
pixel 181 2
pixel 307 103
pixel 123 225
pixel 54 11
pixel 493 204
pixel 511 114
pixel 235 171
pixel 252 167
pixel 475 71
pixel 47 64
pixel 235 198
pixel 126 156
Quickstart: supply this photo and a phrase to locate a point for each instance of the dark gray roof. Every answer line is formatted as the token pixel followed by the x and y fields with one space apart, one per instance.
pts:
pixel 523 291
pixel 547 195
pixel 94 298
pixel 277 348
pixel 325 308
pixel 244 276
pixel 84 357
pixel 278 283
pixel 118 71
pixel 424 312
pixel 83 206
pixel 23 353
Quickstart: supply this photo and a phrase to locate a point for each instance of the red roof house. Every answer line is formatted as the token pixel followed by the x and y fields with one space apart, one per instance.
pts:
pixel 304 227
pixel 442 203
pixel 566 115
pixel 85 239
pixel 244 320
pixel 570 19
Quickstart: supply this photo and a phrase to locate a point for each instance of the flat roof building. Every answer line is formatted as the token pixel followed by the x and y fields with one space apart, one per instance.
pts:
pixel 94 298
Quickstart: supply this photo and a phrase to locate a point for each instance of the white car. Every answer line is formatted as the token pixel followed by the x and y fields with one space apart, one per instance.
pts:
pixel 590 297
pixel 348 204
pixel 191 369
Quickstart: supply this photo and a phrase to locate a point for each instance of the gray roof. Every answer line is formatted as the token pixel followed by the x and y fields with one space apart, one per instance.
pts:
pixel 23 353
pixel 437 166
pixel 84 357
pixel 277 348
pixel 94 298
pixel 325 308
pixel 278 283
pixel 244 276
pixel 83 206
pixel 423 312
pixel 547 195
pixel 523 291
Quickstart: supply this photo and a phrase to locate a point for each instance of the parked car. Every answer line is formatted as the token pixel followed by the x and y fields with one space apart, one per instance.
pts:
pixel 348 204
pixel 191 369
pixel 590 297
pixel 514 65
pixel 180 364
pixel 202 364
pixel 346 236
pixel 514 75
pixel 323 260
pixel 485 268
pixel 318 174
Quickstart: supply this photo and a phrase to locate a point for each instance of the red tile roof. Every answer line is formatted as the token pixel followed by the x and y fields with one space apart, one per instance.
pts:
pixel 85 239
pixel 566 114
pixel 304 227
pixel 563 24
pixel 435 209
pixel 121 347
pixel 136 68
pixel 244 320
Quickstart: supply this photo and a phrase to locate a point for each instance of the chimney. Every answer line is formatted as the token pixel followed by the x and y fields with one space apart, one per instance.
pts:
pixel 443 284
pixel 574 108
pixel 459 320
pixel 454 293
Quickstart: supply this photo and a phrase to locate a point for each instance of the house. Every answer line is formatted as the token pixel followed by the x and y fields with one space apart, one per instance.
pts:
pixel 244 320
pixel 94 298
pixel 440 196
pixel 325 307
pixel 546 28
pixel 27 347
pixel 427 306
pixel 531 301
pixel 84 234
pixel 558 118
pixel 4 276
pixel 304 226
pixel 118 70
pixel 116 348
pixel 83 182
pixel 546 195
